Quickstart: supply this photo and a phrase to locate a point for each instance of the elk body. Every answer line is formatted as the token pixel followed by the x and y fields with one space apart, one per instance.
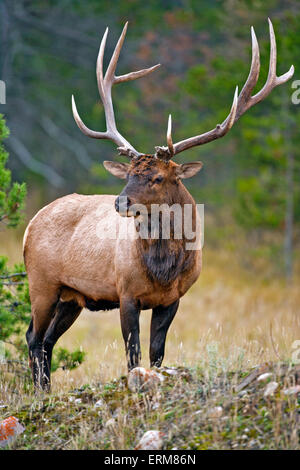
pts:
pixel 71 267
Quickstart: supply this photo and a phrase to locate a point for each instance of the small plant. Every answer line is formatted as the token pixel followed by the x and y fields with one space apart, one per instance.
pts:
pixel 66 359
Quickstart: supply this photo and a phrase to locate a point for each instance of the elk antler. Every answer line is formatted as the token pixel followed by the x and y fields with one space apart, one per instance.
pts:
pixel 240 103
pixel 105 85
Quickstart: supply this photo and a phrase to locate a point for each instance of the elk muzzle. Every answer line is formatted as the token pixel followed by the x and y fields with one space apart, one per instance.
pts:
pixel 122 205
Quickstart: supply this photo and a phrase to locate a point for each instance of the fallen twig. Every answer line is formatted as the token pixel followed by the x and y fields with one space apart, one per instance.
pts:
pixel 251 377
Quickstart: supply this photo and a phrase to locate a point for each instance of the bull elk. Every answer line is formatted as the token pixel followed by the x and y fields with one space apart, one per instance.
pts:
pixel 70 267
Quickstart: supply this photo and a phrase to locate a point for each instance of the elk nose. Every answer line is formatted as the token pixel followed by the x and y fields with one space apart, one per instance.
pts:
pixel 117 204
pixel 122 203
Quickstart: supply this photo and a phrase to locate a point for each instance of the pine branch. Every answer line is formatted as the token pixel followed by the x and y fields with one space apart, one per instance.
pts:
pixel 9 276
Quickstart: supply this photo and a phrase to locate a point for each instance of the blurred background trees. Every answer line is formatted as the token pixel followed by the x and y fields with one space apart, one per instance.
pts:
pixel 250 183
pixel 14 296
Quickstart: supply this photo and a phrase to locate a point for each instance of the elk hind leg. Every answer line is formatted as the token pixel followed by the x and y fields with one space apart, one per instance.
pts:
pixel 42 312
pixel 67 311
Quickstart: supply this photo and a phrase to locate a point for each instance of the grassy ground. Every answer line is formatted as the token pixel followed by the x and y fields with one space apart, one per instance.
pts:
pixel 197 409
pixel 231 320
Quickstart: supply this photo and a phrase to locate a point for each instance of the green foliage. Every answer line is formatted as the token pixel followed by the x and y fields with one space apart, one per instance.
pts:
pixel 66 359
pixel 11 195
pixel 260 202
pixel 257 150
pixel 14 295
pixel 14 304
pixel 15 314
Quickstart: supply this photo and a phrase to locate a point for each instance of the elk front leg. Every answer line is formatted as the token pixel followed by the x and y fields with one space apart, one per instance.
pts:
pixel 161 320
pixel 130 316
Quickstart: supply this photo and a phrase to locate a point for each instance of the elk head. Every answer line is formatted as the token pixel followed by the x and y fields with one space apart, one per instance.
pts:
pixel 150 180
pixel 155 178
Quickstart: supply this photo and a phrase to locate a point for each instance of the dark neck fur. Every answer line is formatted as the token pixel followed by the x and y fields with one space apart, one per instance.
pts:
pixel 165 259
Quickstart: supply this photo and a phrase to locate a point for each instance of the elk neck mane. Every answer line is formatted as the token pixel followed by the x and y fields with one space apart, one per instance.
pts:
pixel 165 259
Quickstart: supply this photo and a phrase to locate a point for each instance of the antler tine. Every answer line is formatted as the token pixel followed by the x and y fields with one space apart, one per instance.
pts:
pixel 134 75
pixel 166 153
pixel 272 79
pixel 169 137
pixel 218 131
pixel 83 127
pixel 242 102
pixel 105 85
pixel 110 72
pixel 99 65
pixel 110 77
pixel 253 75
pixel 273 53
pixel 228 123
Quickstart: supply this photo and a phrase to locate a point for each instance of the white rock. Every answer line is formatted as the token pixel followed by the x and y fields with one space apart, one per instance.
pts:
pixel 10 428
pixel 263 377
pixel 77 401
pixel 171 371
pixel 117 412
pixel 110 423
pixel 292 390
pixel 151 440
pixel 99 403
pixel 141 379
pixel 270 389
pixel 216 412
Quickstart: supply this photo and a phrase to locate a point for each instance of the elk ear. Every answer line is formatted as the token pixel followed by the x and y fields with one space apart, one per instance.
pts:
pixel 117 169
pixel 186 170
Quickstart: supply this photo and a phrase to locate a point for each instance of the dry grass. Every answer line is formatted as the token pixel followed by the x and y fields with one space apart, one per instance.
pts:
pixel 11 244
pixel 223 329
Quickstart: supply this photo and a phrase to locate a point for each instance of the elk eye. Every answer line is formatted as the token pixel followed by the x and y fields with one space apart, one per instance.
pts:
pixel 158 179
